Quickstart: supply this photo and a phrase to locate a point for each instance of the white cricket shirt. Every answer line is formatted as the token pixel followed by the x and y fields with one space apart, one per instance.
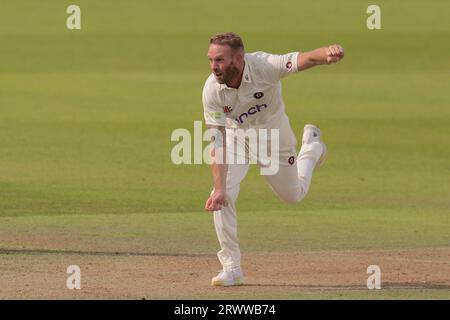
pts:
pixel 258 102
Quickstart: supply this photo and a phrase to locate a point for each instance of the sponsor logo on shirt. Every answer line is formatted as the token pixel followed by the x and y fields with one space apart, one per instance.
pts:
pixel 227 109
pixel 216 115
pixel 250 112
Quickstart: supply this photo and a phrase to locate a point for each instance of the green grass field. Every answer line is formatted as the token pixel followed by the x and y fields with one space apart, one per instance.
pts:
pixel 86 118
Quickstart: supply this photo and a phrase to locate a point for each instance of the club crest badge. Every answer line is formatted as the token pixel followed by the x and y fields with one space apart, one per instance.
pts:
pixel 258 95
pixel 291 160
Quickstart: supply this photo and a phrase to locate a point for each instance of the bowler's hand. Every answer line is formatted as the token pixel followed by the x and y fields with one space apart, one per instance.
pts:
pixel 216 201
pixel 334 53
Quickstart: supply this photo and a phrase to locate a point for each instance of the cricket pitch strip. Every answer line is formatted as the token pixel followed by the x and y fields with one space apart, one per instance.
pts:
pixel 41 274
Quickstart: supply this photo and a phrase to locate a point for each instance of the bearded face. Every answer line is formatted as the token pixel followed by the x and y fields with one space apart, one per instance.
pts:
pixel 230 72
pixel 223 61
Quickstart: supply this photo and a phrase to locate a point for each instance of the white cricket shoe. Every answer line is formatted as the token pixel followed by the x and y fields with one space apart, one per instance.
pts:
pixel 228 278
pixel 311 133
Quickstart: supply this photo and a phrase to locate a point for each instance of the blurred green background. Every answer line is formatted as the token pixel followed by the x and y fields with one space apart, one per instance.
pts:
pixel 86 117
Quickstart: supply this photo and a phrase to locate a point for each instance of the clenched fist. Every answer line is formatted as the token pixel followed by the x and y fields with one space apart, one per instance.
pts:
pixel 216 201
pixel 334 53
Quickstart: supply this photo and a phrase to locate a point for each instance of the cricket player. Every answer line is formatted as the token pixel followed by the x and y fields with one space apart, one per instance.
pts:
pixel 244 93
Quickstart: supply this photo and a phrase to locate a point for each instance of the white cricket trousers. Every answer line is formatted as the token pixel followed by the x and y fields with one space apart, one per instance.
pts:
pixel 290 184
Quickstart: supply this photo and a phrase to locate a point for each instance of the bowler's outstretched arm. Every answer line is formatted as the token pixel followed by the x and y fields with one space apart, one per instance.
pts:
pixel 325 55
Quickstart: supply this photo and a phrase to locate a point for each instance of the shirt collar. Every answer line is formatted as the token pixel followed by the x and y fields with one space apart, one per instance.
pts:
pixel 246 77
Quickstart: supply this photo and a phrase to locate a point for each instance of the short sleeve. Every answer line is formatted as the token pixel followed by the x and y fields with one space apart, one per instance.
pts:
pixel 284 64
pixel 212 110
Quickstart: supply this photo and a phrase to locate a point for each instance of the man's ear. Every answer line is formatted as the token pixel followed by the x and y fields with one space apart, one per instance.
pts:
pixel 240 56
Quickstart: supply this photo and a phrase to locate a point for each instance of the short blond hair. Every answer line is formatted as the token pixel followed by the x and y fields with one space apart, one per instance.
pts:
pixel 230 39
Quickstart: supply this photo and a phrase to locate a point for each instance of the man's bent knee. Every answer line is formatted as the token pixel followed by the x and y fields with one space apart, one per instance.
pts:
pixel 293 197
